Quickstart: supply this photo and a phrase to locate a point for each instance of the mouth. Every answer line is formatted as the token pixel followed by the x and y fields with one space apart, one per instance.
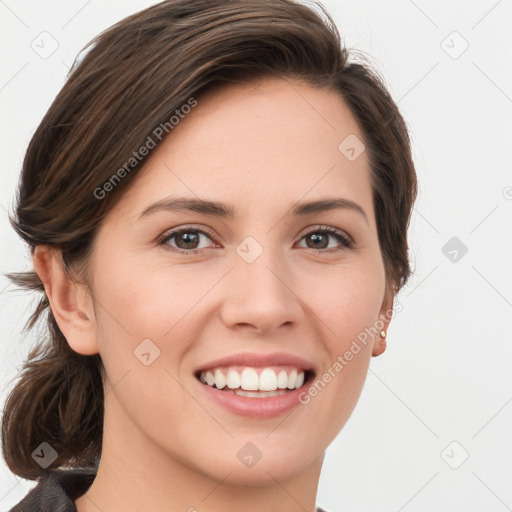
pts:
pixel 256 385
pixel 256 382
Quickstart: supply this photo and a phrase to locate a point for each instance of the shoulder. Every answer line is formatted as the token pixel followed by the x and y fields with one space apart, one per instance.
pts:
pixel 57 490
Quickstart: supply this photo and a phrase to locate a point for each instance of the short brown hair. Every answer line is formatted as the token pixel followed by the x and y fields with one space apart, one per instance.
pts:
pixel 131 79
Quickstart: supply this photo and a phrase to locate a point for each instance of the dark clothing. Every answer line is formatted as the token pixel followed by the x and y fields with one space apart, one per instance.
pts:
pixel 57 491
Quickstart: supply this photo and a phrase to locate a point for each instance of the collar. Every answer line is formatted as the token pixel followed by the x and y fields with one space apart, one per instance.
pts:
pixel 57 490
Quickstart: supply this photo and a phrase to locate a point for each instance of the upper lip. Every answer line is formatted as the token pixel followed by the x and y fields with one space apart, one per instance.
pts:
pixel 258 360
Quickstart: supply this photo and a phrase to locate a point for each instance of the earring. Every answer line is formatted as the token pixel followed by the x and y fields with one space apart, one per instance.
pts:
pixel 383 336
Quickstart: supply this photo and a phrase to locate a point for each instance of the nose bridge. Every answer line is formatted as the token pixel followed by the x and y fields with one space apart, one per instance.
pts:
pixel 262 295
pixel 259 267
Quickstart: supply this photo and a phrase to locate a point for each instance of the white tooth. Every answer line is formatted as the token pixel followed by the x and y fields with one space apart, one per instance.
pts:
pixel 233 379
pixel 291 379
pixel 268 380
pixel 249 379
pixel 220 379
pixel 259 394
pixel 282 380
pixel 300 380
pixel 202 377
pixel 209 378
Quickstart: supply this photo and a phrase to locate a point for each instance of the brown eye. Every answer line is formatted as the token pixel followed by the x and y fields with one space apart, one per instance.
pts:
pixel 319 238
pixel 186 240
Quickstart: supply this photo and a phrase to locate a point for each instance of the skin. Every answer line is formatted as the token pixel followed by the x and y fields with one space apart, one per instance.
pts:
pixel 259 147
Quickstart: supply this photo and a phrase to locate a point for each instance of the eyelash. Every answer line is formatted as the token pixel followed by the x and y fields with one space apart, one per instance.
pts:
pixel 345 240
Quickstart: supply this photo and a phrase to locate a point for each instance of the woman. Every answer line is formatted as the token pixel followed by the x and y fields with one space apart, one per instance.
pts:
pixel 217 205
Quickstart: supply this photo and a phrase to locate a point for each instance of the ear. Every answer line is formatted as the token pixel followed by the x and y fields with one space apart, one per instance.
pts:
pixel 71 303
pixel 385 315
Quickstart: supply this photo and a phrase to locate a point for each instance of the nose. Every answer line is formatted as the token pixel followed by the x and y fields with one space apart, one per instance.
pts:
pixel 261 295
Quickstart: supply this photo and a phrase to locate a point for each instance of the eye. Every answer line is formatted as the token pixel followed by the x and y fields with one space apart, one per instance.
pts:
pixel 319 238
pixel 186 239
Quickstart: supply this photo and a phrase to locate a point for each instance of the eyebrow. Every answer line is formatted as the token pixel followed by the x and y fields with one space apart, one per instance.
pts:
pixel 222 210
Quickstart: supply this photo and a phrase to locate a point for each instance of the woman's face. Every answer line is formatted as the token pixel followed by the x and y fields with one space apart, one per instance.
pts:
pixel 263 281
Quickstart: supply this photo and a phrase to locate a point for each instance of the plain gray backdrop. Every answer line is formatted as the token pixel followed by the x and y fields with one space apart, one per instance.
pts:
pixel 432 428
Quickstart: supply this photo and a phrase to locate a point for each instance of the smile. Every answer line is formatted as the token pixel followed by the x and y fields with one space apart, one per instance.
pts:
pixel 256 392
pixel 254 379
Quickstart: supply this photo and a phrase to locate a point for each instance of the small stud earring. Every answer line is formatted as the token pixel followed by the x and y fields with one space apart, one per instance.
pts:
pixel 383 336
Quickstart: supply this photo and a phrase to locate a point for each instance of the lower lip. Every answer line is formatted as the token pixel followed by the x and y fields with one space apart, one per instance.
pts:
pixel 255 407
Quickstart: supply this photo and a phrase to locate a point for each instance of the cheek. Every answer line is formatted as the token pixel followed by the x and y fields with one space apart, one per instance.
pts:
pixel 347 320
pixel 144 308
pixel 346 298
pixel 143 331
pixel 347 302
pixel 147 299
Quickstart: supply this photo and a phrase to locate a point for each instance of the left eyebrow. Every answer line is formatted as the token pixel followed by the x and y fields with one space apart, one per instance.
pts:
pixel 217 209
pixel 324 205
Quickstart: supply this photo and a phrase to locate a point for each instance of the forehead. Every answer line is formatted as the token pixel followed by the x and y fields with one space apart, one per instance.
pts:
pixel 256 145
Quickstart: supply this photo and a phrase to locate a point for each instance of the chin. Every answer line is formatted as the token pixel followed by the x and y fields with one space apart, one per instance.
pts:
pixel 258 460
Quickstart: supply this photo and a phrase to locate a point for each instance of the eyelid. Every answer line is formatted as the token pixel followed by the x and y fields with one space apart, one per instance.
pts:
pixel 348 241
pixel 325 227
pixel 171 233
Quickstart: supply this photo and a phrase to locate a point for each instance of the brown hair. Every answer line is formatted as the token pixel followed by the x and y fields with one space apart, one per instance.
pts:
pixel 132 78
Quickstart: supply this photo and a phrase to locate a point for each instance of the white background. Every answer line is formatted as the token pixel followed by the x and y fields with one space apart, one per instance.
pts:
pixel 446 375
